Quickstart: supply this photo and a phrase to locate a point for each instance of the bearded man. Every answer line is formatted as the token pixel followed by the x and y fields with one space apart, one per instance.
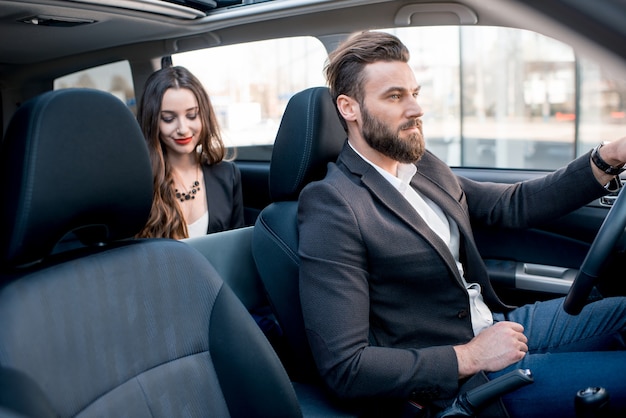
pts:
pixel 396 299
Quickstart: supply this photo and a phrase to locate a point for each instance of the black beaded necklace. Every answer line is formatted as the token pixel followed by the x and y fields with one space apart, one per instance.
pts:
pixel 188 194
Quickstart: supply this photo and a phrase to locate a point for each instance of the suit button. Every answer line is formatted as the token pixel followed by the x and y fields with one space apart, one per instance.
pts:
pixel 462 314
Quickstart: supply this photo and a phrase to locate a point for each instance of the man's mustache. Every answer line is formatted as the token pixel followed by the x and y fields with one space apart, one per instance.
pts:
pixel 413 123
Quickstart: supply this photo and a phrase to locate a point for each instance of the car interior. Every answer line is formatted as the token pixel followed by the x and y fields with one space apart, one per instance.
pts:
pixel 94 322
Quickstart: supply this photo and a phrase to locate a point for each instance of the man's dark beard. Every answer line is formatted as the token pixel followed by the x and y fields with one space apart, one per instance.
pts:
pixel 384 140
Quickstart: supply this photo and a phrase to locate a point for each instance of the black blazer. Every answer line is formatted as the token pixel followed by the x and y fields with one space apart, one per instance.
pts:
pixel 224 196
pixel 382 299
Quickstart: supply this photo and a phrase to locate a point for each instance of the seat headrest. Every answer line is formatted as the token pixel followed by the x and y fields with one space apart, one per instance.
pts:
pixel 309 137
pixel 71 159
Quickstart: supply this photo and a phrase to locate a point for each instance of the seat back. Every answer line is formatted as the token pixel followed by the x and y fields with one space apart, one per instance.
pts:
pixel 310 136
pixel 230 252
pixel 119 326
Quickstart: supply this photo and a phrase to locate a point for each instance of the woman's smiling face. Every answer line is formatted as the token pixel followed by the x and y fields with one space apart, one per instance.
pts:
pixel 180 124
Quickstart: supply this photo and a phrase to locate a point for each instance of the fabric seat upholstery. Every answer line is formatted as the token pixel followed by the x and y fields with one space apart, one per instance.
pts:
pixel 310 136
pixel 118 326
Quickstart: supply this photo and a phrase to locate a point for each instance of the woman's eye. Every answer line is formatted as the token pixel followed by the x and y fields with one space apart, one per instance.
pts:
pixel 192 116
pixel 167 120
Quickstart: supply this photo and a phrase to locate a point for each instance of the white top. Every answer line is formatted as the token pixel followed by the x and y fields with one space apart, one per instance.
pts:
pixel 445 228
pixel 200 226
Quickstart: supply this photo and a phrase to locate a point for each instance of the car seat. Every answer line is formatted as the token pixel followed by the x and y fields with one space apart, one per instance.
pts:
pixel 309 137
pixel 118 326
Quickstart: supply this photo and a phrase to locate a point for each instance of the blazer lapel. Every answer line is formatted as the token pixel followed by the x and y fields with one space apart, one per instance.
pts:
pixel 388 196
pixel 431 188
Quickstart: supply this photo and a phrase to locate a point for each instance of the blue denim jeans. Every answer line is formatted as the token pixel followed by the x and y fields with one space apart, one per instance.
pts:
pixel 568 353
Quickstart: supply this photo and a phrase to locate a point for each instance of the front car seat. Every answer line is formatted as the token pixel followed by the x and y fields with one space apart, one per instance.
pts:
pixel 121 326
pixel 309 137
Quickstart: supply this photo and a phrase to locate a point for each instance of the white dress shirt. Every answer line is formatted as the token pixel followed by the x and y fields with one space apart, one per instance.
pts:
pixel 445 228
pixel 199 227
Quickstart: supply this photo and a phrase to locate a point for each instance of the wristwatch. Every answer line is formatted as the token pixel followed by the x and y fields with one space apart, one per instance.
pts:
pixel 603 165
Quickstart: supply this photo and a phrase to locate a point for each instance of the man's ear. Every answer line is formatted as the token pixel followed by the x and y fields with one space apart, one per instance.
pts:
pixel 348 107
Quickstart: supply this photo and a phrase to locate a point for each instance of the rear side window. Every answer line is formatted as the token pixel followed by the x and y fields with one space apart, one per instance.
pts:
pixel 250 85
pixel 115 78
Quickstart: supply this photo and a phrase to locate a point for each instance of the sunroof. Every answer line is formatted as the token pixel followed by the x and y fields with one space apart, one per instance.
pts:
pixel 204 5
pixel 185 9
pixel 208 5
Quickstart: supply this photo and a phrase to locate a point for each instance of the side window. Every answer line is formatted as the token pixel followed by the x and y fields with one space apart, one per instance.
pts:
pixel 602 106
pixel 509 98
pixel 115 78
pixel 250 85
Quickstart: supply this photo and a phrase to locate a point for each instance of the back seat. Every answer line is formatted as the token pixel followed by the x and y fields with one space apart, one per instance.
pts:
pixel 230 252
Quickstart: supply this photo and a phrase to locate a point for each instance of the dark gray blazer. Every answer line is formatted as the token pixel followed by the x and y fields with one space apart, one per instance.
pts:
pixel 382 299
pixel 224 196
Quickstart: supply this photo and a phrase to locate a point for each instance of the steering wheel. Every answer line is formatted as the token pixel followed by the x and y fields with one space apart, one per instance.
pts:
pixel 610 231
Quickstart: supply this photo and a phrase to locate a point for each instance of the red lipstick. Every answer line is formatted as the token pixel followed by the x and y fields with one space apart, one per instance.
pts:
pixel 183 141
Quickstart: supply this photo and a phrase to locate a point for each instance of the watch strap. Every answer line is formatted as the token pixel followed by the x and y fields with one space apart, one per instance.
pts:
pixel 603 165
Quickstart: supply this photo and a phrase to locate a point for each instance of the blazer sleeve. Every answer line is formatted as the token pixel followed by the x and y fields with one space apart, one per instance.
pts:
pixel 224 196
pixel 534 201
pixel 335 298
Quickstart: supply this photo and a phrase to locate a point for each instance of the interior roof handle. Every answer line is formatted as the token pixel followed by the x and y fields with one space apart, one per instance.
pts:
pixel 436 13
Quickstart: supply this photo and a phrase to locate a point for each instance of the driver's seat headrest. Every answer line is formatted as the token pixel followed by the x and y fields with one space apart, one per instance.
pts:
pixel 310 136
pixel 71 159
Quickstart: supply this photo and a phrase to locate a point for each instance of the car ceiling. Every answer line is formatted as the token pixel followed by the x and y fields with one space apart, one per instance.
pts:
pixel 43 32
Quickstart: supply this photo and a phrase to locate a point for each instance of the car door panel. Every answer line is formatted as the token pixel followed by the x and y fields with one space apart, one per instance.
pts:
pixel 542 262
pixel 255 186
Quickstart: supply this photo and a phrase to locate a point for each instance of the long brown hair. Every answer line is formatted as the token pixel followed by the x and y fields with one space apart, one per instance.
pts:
pixel 166 218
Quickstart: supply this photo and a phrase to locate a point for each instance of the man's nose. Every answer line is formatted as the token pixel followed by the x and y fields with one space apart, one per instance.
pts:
pixel 414 110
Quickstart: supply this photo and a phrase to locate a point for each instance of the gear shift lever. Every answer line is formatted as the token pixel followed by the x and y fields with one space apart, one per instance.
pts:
pixel 591 402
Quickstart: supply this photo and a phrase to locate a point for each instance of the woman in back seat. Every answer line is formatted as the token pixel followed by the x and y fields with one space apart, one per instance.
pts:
pixel 195 190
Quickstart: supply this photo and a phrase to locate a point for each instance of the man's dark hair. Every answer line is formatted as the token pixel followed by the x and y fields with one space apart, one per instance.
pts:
pixel 344 70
